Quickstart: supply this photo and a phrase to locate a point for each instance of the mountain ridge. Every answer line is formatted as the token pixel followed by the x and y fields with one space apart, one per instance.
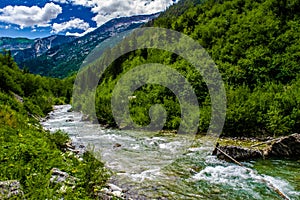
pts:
pixel 23 49
pixel 63 60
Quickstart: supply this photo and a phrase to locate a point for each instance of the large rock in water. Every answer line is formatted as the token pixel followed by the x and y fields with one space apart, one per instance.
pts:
pixel 237 153
pixel 286 147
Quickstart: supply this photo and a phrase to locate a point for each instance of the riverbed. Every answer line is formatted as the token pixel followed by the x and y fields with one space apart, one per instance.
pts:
pixel 155 166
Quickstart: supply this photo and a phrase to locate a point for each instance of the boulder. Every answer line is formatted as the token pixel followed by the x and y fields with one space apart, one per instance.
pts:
pixel 286 147
pixel 10 189
pixel 237 153
pixel 59 176
pixel 110 192
pixel 114 187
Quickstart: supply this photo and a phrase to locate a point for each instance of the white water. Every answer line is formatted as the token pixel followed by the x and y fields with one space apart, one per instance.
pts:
pixel 151 166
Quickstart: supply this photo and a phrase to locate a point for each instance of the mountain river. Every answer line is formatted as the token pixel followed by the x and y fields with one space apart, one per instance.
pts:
pixel 153 166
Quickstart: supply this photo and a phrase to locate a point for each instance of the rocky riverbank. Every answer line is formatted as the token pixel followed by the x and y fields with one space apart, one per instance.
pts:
pixel 287 147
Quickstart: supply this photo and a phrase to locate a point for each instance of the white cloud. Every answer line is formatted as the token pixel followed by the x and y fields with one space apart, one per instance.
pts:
pixel 86 3
pixel 80 34
pixel 110 9
pixel 61 1
pixel 72 24
pixel 30 16
pixel 106 10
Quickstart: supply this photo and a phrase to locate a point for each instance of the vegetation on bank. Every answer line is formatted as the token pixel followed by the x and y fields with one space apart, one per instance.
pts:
pixel 27 152
pixel 255 45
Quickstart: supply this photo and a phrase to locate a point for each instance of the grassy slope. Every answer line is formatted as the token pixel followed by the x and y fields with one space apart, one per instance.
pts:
pixel 27 152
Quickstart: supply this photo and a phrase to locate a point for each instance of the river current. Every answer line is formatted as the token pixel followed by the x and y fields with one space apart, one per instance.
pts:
pixel 154 166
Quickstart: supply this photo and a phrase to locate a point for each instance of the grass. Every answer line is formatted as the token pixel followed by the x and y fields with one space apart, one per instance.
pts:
pixel 29 154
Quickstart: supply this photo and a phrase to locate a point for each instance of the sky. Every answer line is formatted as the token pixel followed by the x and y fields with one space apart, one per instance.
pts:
pixel 41 18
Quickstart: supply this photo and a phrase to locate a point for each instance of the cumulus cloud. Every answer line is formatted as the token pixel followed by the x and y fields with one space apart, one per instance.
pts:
pixel 30 16
pixel 110 9
pixel 69 25
pixel 80 34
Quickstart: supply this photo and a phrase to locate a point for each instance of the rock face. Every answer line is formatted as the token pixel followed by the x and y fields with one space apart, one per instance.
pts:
pixel 286 147
pixel 10 189
pixel 238 153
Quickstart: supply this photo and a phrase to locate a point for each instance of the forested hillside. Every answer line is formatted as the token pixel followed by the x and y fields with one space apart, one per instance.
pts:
pixel 27 152
pixel 255 45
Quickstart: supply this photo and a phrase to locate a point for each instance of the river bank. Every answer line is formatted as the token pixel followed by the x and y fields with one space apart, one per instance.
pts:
pixel 168 166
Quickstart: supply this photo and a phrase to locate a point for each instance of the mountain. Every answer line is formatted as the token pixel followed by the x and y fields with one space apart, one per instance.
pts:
pixel 63 60
pixel 23 49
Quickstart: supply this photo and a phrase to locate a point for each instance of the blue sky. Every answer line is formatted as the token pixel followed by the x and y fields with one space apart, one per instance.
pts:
pixel 34 19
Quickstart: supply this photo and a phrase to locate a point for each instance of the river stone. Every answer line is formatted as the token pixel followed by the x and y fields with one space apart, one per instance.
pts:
pixel 118 194
pixel 287 147
pixel 238 153
pixel 10 189
pixel 59 176
pixel 114 187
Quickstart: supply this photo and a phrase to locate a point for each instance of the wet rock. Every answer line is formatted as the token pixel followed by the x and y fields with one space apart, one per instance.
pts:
pixel 118 194
pixel 286 147
pixel 10 189
pixel 114 187
pixel 238 153
pixel 111 192
pixel 117 145
pixel 69 120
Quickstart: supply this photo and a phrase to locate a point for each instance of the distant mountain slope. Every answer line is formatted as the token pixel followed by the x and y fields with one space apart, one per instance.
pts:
pixel 24 49
pixel 63 60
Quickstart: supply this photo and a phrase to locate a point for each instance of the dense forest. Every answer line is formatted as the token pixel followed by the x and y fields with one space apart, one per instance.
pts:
pixel 255 45
pixel 28 153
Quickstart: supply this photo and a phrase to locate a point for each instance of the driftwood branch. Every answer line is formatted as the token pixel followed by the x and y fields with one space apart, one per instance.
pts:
pixel 269 184
pixel 228 156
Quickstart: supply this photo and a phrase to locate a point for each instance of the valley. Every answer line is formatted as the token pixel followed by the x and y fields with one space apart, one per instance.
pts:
pixel 78 114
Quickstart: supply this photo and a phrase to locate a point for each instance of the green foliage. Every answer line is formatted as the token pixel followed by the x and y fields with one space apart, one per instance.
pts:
pixel 39 93
pixel 60 139
pixel 28 153
pixel 255 45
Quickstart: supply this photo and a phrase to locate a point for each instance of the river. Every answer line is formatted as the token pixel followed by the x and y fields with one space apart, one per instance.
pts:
pixel 153 166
